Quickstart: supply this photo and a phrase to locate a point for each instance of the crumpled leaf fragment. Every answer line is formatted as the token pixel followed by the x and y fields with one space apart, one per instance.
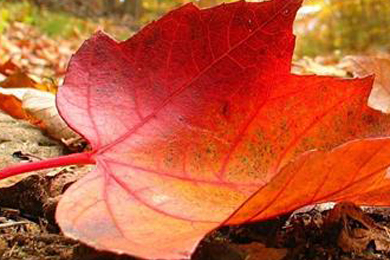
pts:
pixel 354 237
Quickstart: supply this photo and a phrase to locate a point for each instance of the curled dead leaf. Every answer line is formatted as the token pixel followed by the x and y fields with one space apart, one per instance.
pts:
pixel 37 107
pixel 42 105
pixel 357 230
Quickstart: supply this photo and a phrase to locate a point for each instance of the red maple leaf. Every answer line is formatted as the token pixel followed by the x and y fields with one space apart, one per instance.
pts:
pixel 198 113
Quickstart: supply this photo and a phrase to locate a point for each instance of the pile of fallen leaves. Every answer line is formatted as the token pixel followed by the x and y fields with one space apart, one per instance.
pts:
pixel 31 68
pixel 36 53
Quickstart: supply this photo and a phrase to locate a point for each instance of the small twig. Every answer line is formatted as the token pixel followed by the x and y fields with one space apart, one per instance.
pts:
pixel 11 252
pixel 26 156
pixel 11 224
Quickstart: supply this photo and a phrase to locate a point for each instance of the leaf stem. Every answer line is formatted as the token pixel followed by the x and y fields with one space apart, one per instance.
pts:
pixel 77 158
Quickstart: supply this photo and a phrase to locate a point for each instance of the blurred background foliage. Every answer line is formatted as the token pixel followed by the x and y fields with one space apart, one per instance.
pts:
pixel 324 26
pixel 343 27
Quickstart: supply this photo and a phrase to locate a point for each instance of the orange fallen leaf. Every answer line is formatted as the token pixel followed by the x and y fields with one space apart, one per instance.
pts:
pixel 17 78
pixel 13 107
pixel 8 68
pixel 20 79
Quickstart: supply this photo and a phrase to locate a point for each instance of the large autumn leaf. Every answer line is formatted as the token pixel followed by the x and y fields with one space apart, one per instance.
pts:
pixel 198 113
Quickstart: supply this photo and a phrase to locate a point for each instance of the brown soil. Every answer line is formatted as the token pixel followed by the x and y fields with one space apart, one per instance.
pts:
pixel 28 230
